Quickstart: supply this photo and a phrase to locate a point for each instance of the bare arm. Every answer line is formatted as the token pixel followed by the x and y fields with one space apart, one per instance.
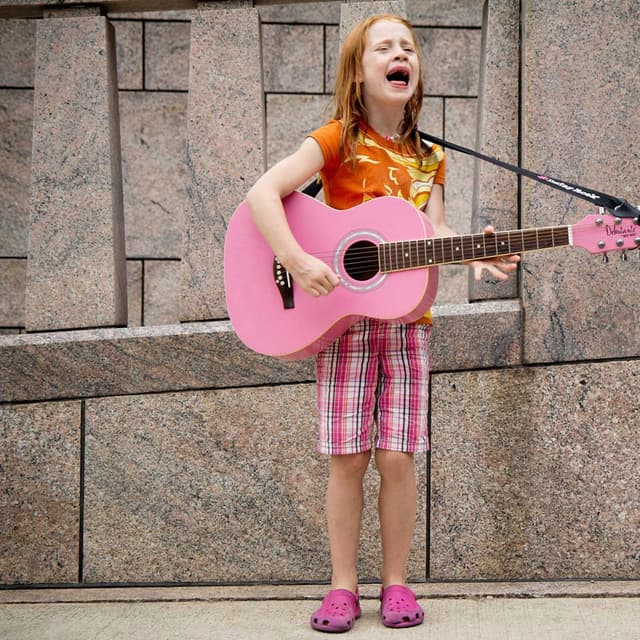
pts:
pixel 500 268
pixel 265 203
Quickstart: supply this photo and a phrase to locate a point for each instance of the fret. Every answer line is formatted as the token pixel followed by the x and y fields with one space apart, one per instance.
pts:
pixel 502 243
pixel 422 252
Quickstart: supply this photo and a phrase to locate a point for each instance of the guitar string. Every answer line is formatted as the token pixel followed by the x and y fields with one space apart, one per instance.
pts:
pixel 364 256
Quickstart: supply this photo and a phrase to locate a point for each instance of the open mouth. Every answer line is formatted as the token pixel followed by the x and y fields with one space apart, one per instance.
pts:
pixel 398 77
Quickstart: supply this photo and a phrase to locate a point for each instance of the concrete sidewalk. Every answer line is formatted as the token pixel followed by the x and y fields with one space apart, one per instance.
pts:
pixel 477 611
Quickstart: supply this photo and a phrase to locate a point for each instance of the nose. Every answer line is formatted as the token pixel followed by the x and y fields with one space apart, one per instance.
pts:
pixel 400 54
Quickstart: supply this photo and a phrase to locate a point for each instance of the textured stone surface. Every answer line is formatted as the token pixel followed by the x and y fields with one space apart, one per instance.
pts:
pixel 473 336
pixel 304 12
pixel 452 58
pixel 134 293
pixel 161 293
pixel 284 134
pixel 293 58
pixel 16 125
pixel 534 473
pixel 444 13
pixel 460 121
pixel 166 55
pixel 222 486
pixel 577 308
pixel 136 360
pixel 202 355
pixel 76 270
pixel 495 197
pixel 154 172
pixel 13 275
pixel 39 492
pixel 353 12
pixel 18 38
pixel 225 147
pixel 129 53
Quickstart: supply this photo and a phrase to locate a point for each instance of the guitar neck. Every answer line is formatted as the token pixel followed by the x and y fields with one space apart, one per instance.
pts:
pixel 429 252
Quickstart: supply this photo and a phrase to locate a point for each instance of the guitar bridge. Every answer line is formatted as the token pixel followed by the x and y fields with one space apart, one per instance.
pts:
pixel 283 281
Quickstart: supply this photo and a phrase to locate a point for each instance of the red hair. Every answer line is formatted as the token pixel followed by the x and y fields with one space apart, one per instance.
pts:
pixel 349 101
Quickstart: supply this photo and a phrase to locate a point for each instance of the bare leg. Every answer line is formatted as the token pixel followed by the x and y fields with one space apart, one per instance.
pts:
pixel 397 508
pixel 344 514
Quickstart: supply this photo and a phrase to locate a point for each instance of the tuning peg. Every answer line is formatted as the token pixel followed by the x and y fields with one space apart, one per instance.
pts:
pixel 605 258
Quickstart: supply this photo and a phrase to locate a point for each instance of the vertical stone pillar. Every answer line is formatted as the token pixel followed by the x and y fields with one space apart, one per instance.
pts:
pixel 581 123
pixel 76 272
pixel 353 12
pixel 495 192
pixel 225 144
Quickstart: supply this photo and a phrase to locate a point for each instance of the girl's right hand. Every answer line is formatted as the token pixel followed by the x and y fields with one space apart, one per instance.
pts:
pixel 311 274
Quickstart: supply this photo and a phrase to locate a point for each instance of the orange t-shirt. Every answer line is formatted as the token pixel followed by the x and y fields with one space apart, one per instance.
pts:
pixel 382 168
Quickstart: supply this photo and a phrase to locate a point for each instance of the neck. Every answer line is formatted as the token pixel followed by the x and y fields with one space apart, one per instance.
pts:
pixel 387 124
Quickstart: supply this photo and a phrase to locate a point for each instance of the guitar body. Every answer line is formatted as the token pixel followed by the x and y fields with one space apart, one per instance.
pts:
pixel 256 306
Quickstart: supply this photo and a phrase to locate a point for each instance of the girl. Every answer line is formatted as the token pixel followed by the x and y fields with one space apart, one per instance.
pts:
pixel 376 373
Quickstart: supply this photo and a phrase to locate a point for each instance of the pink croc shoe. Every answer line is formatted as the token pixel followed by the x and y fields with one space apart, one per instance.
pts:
pixel 338 611
pixel 399 607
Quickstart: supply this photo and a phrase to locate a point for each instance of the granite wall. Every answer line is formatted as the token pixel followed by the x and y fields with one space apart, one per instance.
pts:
pixel 165 452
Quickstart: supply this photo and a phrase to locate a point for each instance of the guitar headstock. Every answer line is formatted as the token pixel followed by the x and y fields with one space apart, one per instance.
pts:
pixel 604 232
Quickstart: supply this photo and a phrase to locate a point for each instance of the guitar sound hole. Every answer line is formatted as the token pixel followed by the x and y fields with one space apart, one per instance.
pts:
pixel 361 260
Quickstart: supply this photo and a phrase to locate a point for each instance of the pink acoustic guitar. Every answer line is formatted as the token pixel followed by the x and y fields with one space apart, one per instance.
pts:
pixel 379 249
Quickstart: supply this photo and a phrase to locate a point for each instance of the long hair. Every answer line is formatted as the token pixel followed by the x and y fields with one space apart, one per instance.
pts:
pixel 349 99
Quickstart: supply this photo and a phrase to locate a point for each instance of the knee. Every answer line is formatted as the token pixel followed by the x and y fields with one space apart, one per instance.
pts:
pixel 394 465
pixel 351 465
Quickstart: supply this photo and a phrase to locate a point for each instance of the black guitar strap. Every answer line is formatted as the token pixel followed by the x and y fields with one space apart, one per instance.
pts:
pixel 617 206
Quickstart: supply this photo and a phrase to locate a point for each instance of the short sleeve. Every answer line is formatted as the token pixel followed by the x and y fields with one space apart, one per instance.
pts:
pixel 328 137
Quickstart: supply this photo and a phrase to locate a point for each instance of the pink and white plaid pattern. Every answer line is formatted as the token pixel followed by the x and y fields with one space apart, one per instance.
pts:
pixel 375 375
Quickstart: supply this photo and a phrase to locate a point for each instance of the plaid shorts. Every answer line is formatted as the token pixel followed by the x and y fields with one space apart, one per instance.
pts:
pixel 374 381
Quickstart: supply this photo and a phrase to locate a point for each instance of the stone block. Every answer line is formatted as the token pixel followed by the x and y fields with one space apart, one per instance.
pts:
pixel 302 12
pixel 534 473
pixel 134 293
pixel 166 55
pixel 475 336
pixel 13 275
pixel 18 38
pixel 332 55
pixel 460 127
pixel 225 147
pixel 39 493
pixel 452 61
pixel 177 14
pixel 351 13
pixel 284 133
pixel 135 360
pixel 161 291
pixel 215 486
pixel 76 270
pixel 129 53
pixel 577 308
pixel 154 172
pixel 444 13
pixel 495 196
pixel 16 126
pixel 293 58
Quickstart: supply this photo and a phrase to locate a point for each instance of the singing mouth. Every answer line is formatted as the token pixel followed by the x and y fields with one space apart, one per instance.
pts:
pixel 398 77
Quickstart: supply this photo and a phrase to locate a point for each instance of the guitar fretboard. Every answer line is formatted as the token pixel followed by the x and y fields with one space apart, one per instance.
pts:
pixel 413 254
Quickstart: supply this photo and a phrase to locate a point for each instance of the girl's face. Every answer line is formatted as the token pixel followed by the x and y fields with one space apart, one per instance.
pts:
pixel 390 64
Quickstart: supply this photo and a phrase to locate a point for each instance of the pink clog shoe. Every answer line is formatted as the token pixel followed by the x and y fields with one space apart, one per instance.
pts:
pixel 399 607
pixel 338 612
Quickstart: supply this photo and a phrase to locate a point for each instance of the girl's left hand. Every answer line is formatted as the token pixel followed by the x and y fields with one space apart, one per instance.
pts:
pixel 499 268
